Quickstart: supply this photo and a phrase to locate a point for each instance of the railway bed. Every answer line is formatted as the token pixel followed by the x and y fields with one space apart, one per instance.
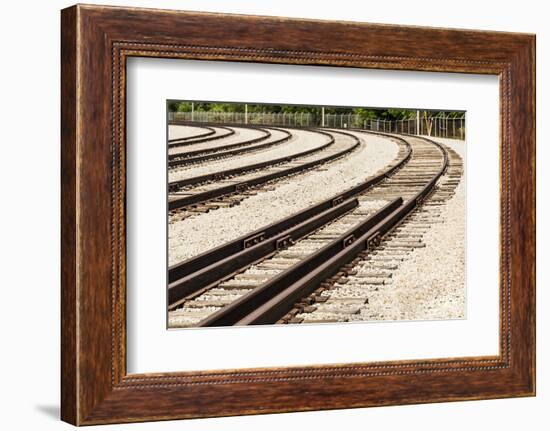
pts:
pixel 216 132
pixel 199 157
pixel 239 136
pixel 187 132
pixel 345 296
pixel 399 195
pixel 209 192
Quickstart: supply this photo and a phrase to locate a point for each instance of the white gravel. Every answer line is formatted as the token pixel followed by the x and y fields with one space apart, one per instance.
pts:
pixel 456 144
pixel 301 141
pixel 241 134
pixel 430 283
pixel 178 132
pixel 200 233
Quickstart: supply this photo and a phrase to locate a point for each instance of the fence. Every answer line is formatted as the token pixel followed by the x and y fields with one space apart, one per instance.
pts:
pixel 436 126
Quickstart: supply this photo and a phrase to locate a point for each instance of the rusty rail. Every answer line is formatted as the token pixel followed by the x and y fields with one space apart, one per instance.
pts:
pixel 270 301
pixel 175 144
pixel 221 252
pixel 209 132
pixel 193 199
pixel 255 247
pixel 242 148
pixel 182 158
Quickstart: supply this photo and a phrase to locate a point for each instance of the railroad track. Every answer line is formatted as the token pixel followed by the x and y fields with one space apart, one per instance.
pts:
pixel 239 136
pixel 198 284
pixel 271 137
pixel 179 273
pixel 227 188
pixel 206 131
pixel 345 295
pixel 294 270
pixel 219 132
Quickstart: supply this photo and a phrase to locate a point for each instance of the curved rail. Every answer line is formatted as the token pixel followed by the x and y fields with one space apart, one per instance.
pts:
pixel 183 158
pixel 180 274
pixel 216 154
pixel 228 133
pixel 216 176
pixel 272 299
pixel 209 131
pixel 257 247
pixel 240 186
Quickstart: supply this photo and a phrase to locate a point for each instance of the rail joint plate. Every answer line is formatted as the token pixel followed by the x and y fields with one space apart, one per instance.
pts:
pixel 349 240
pixel 337 201
pixel 373 241
pixel 253 240
pixel 283 242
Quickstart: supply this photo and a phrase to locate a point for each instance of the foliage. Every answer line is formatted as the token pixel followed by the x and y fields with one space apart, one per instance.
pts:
pixel 363 113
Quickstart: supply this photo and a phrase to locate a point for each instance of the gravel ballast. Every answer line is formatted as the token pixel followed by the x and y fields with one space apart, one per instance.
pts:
pixel 198 234
pixel 429 284
pixel 301 140
pixel 241 134
pixel 178 132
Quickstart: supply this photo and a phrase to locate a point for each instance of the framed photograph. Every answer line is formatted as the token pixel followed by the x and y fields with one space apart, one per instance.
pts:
pixel 259 216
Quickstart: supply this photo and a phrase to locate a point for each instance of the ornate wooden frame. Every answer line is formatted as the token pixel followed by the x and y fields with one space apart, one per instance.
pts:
pixel 96 41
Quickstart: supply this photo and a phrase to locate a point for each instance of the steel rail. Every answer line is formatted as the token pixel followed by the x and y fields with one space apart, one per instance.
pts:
pixel 212 154
pixel 247 304
pixel 209 131
pixel 179 159
pixel 175 185
pixel 194 264
pixel 271 300
pixel 257 249
pixel 230 132
pixel 196 198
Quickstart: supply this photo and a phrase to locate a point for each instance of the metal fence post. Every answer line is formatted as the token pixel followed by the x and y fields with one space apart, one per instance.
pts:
pixel 454 132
